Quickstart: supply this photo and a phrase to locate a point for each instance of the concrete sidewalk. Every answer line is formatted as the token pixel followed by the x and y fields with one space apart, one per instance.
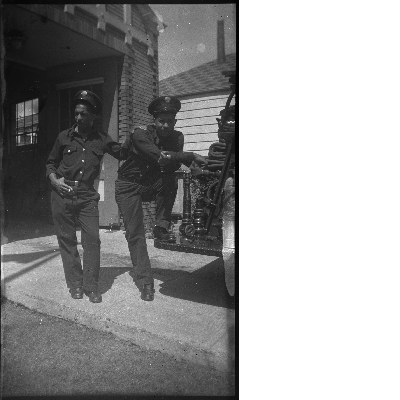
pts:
pixel 192 316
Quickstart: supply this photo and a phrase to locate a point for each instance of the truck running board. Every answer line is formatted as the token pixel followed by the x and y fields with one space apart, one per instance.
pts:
pixel 206 248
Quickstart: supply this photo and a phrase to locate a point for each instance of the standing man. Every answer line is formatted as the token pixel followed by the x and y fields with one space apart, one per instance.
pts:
pixel 72 167
pixel 156 153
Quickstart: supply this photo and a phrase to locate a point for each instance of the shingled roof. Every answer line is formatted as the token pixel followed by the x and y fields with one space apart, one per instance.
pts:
pixel 204 78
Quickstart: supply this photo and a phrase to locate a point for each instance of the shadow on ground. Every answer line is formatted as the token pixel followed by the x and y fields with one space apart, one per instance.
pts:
pixel 23 228
pixel 25 258
pixel 205 285
pixel 35 260
pixel 108 276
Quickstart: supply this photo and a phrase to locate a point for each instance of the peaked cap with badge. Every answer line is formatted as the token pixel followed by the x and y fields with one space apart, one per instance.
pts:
pixel 164 104
pixel 88 97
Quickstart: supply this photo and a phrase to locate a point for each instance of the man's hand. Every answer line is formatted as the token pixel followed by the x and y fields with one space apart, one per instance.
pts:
pixel 164 159
pixel 199 160
pixel 59 184
pixel 128 140
pixel 197 165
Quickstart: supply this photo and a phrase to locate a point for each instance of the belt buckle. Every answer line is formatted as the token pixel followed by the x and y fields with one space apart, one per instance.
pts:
pixel 71 183
pixel 74 187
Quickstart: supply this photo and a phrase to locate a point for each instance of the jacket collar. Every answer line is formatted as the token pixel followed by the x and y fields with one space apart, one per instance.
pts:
pixel 152 133
pixel 73 131
pixel 151 129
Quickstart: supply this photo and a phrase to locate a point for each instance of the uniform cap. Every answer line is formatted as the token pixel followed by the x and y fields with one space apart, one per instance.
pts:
pixel 89 97
pixel 164 104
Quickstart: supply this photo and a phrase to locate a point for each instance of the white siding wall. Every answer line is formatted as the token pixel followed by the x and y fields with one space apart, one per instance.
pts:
pixel 197 120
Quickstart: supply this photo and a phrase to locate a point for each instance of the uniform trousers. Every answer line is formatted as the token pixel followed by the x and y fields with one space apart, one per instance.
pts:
pixel 81 208
pixel 128 196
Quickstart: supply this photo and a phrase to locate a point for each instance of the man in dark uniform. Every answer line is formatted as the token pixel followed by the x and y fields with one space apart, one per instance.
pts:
pixel 156 153
pixel 72 167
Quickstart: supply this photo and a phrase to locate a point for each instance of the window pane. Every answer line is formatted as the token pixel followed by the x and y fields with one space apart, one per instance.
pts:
pixel 20 110
pixel 20 124
pixel 21 140
pixel 35 108
pixel 28 123
pixel 28 107
pixel 35 131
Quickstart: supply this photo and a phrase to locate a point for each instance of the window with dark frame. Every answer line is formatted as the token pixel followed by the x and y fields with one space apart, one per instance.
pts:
pixel 26 122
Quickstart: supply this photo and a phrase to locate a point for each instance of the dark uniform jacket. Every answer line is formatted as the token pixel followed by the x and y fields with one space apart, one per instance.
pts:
pixel 78 159
pixel 145 152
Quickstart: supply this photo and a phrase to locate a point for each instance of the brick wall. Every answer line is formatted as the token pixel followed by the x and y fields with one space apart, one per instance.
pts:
pixel 138 87
pixel 145 83
pixel 125 98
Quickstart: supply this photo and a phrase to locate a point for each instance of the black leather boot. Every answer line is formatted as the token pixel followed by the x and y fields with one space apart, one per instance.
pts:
pixel 94 297
pixel 148 292
pixel 76 293
pixel 162 234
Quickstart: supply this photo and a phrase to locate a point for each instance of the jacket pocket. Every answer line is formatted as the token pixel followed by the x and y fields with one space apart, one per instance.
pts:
pixel 70 155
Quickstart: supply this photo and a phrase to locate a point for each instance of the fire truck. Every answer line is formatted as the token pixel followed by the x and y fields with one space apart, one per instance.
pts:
pixel 208 226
